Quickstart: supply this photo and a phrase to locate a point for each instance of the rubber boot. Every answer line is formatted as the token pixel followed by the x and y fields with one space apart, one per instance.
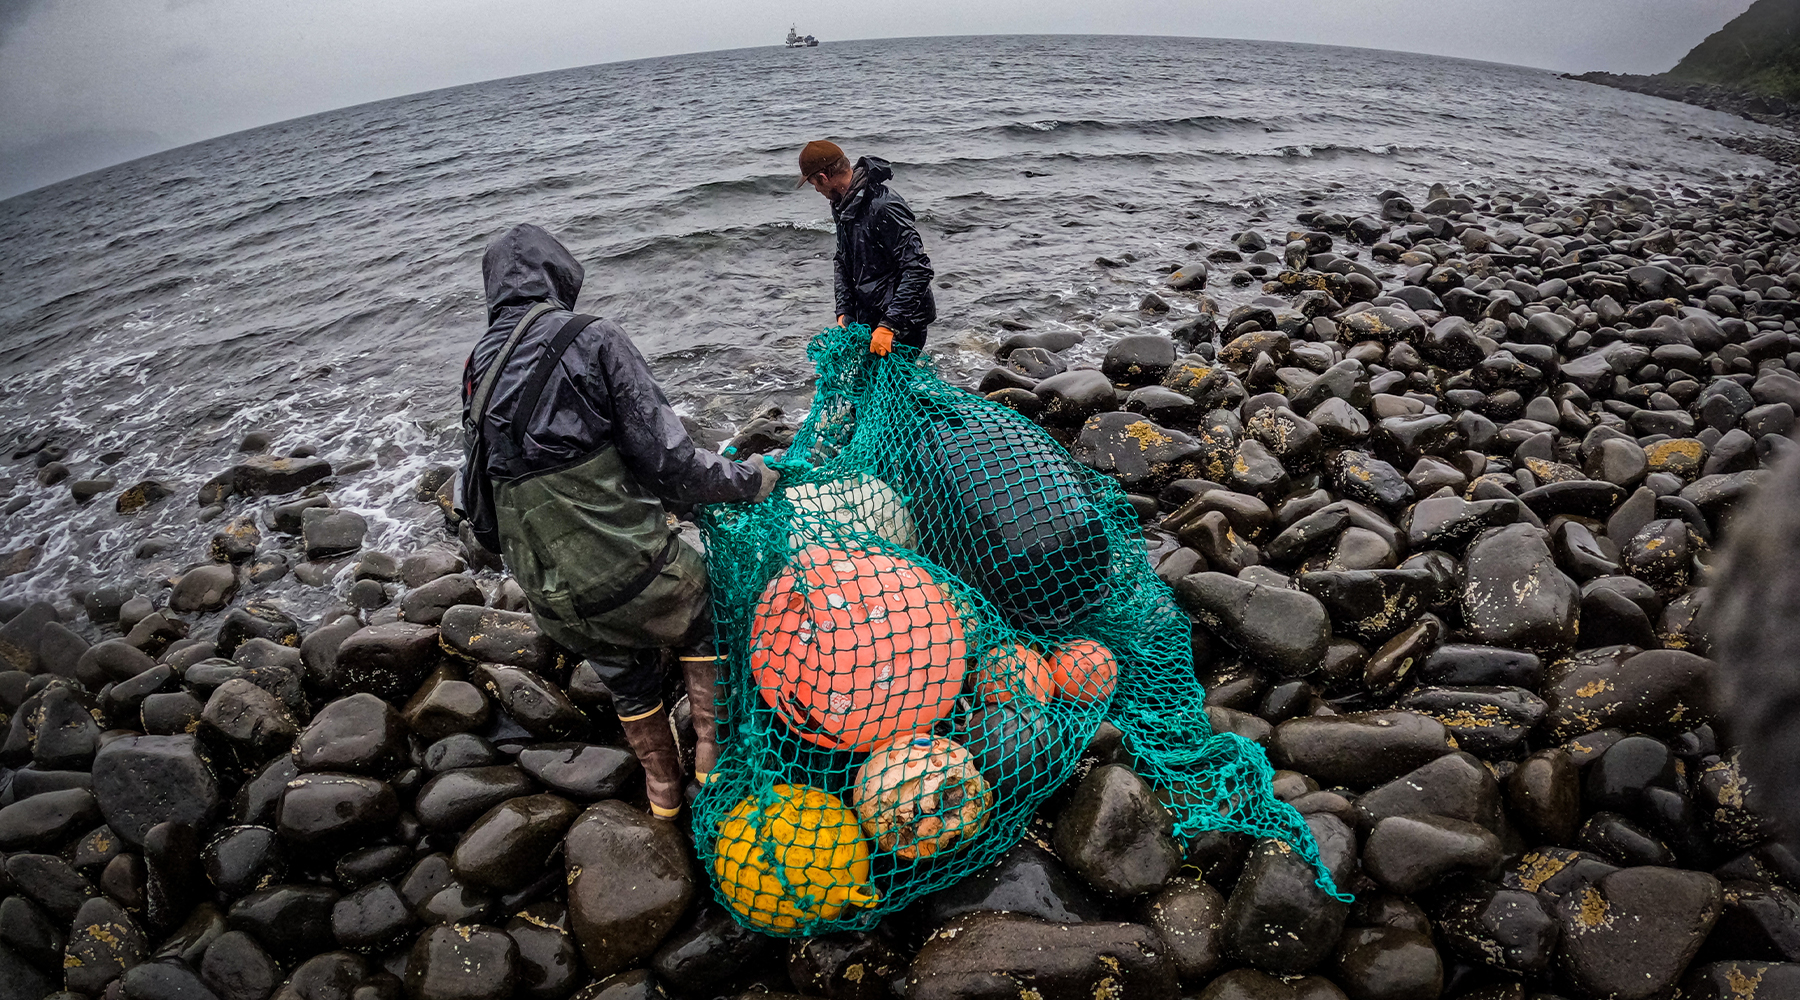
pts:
pixel 702 675
pixel 654 743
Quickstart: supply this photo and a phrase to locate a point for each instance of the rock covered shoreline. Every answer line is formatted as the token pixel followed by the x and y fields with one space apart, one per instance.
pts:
pixel 1444 502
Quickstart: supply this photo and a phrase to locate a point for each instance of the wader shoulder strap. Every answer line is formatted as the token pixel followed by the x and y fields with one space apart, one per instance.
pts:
pixel 478 403
pixel 540 374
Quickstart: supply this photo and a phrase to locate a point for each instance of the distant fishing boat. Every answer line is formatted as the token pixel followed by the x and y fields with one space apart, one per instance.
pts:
pixel 795 40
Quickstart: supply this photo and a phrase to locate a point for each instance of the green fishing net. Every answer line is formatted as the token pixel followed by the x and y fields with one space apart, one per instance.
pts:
pixel 923 627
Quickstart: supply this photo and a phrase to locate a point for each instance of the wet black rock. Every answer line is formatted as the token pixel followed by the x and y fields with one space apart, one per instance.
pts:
pixel 1074 396
pixel 238 968
pixel 707 952
pixel 334 975
pixel 264 475
pixel 113 660
pixel 165 979
pixel 1190 917
pixel 327 532
pixel 256 621
pixel 1387 963
pixel 1027 880
pixel 489 635
pixel 1632 934
pixel 1116 835
pixel 1408 853
pixel 103 943
pixel 1456 785
pixel 536 703
pixel 456 962
pixel 204 588
pixel 1660 691
pixel 243 859
pixel 360 733
pixel 28 930
pixel 1514 595
pixel 141 781
pixel 1368 480
pixel 848 966
pixel 446 704
pixel 1741 980
pixel 1508 928
pixel 1277 918
pixel 460 750
pixel 426 604
pixel 334 809
pixel 1622 841
pixel 250 717
pixel 1285 629
pixel 318 652
pixel 372 919
pixel 290 921
pixel 1489 722
pixel 47 820
pixel 1249 984
pixel 583 771
pixel 1758 922
pixel 1142 456
pixel 499 852
pixel 388 661
pixel 452 800
pixel 990 956
pixel 50 882
pixel 549 963
pixel 1139 359
pixel 1370 605
pixel 1359 750
pixel 630 879
pixel 1544 792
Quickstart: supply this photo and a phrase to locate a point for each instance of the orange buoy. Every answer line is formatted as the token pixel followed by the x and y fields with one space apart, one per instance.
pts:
pixel 1017 669
pixel 1084 670
pixel 854 647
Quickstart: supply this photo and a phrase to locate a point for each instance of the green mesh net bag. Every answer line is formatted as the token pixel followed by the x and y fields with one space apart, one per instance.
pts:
pixel 922 629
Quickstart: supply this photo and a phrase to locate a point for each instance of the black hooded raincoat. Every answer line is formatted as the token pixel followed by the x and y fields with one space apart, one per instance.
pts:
pixel 579 482
pixel 883 276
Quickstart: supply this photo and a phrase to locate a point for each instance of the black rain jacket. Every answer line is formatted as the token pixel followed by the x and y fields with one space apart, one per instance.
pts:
pixel 600 394
pixel 883 277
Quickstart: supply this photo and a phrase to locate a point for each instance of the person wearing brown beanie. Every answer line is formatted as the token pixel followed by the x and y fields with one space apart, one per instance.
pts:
pixel 882 275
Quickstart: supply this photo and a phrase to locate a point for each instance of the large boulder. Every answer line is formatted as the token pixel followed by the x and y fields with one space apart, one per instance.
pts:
pixel 141 781
pixel 630 879
pixel 1002 956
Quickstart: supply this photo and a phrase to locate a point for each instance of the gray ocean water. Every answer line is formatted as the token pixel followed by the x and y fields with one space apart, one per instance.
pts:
pixel 320 278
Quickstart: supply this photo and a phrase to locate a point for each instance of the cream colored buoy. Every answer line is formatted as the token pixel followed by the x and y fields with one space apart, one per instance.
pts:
pixel 919 794
pixel 860 503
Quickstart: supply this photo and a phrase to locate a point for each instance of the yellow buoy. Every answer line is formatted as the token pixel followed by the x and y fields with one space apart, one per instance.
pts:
pixel 797 858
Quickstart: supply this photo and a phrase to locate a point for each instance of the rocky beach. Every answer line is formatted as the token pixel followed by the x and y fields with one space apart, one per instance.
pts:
pixel 1445 492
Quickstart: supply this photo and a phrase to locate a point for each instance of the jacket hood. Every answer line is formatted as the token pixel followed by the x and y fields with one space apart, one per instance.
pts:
pixel 526 265
pixel 875 169
pixel 870 173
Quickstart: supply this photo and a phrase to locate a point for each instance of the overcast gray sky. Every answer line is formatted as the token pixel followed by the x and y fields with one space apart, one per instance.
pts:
pixel 87 83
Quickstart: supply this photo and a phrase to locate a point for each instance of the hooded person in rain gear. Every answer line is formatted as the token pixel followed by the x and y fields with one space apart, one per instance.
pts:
pixel 882 276
pixel 572 449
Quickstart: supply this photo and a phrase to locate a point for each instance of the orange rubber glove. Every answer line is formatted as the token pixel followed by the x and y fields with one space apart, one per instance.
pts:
pixel 840 319
pixel 882 342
